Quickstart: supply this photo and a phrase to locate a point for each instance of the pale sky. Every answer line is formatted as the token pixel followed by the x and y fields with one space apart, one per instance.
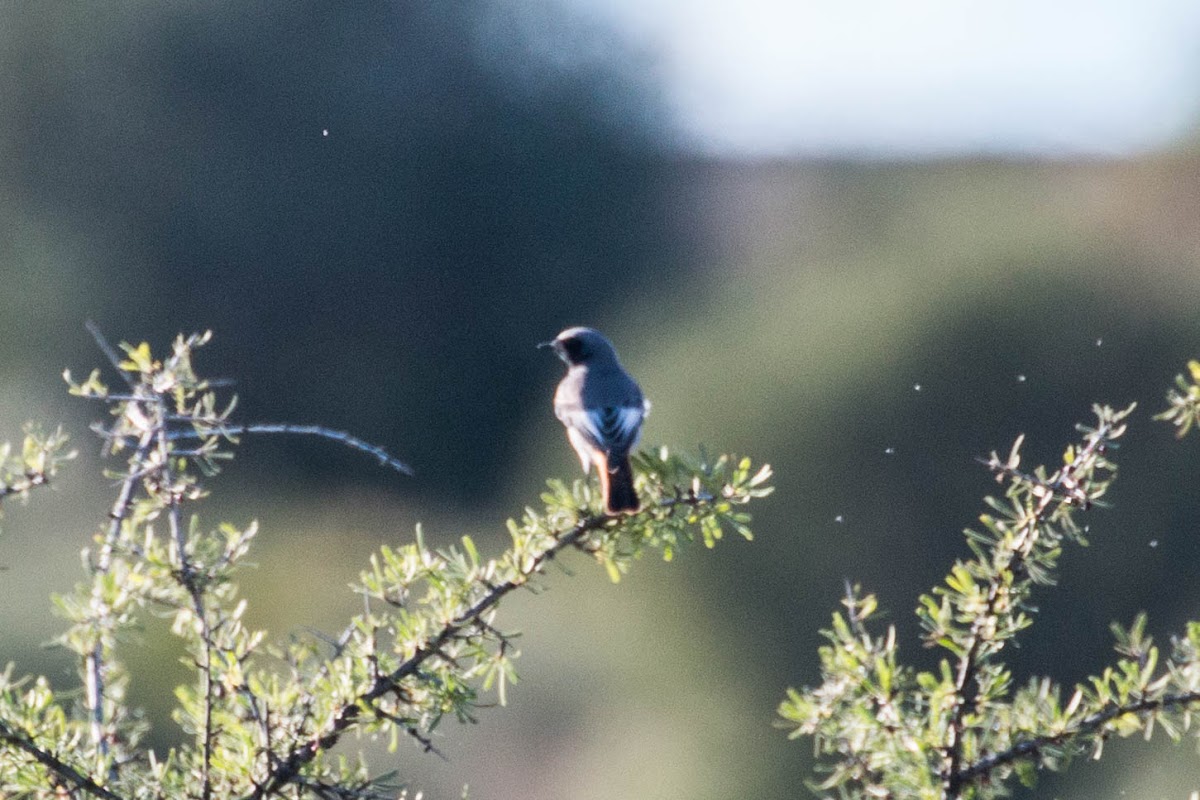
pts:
pixel 916 77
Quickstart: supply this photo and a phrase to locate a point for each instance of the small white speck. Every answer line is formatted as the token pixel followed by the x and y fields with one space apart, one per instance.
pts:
pixel 325 131
pixel 839 518
pixel 1099 342
pixel 1154 542
pixel 889 451
pixel 1020 379
pixel 916 387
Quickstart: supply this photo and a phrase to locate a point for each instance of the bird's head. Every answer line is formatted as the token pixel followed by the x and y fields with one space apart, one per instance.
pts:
pixel 581 345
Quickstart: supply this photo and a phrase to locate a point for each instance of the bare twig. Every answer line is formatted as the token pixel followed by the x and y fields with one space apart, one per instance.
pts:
pixel 381 455
pixel 208 427
pixel 109 351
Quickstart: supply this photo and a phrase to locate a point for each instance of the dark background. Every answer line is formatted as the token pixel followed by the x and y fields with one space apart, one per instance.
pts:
pixel 380 209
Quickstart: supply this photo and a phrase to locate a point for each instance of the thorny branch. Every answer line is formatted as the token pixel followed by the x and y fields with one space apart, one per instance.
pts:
pixel 54 764
pixel 148 427
pixel 195 590
pixel 95 666
pixel 266 744
pixel 1064 488
pixel 1085 726
pixel 288 769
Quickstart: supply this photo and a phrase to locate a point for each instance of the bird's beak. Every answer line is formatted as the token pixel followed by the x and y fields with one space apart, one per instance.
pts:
pixel 550 343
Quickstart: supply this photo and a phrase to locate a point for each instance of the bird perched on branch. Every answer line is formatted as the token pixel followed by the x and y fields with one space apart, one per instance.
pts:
pixel 602 409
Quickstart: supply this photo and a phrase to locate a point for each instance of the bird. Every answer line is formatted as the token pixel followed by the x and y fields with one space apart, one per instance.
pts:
pixel 602 407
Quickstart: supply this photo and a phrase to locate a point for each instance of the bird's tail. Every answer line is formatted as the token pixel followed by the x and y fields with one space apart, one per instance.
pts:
pixel 616 480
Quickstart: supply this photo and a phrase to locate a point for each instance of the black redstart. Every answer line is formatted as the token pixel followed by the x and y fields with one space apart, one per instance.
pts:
pixel 602 408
